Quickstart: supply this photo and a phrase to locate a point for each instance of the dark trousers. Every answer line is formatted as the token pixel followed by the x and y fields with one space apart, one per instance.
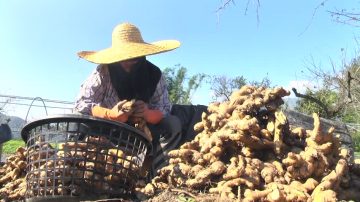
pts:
pixel 166 137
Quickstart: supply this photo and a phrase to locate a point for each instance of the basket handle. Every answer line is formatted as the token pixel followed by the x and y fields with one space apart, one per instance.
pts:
pixel 36 98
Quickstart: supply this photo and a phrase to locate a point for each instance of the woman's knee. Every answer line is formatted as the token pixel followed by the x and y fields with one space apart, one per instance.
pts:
pixel 171 124
pixel 167 128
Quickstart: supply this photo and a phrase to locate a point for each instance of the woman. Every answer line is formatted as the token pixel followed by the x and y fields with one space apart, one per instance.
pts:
pixel 124 74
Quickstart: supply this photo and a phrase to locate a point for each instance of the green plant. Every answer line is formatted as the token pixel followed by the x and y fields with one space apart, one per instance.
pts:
pixel 325 96
pixel 10 147
pixel 183 198
pixel 180 86
pixel 357 155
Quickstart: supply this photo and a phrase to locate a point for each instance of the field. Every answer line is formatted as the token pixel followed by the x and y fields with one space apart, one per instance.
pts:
pixel 11 146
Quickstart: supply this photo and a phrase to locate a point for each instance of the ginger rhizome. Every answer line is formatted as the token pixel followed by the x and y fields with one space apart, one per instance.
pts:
pixel 246 149
pixel 12 176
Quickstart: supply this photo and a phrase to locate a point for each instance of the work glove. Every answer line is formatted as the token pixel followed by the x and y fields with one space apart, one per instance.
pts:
pixel 115 114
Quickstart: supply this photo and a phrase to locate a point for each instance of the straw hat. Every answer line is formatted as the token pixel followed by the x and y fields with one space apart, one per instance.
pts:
pixel 127 43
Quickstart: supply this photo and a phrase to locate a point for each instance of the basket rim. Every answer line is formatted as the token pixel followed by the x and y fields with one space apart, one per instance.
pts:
pixel 69 117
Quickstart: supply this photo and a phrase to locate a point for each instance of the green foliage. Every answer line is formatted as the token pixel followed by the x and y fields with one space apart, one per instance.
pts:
pixel 327 97
pixel 183 198
pixel 10 146
pixel 340 94
pixel 352 109
pixel 180 87
pixel 357 155
pixel 356 140
pixel 351 115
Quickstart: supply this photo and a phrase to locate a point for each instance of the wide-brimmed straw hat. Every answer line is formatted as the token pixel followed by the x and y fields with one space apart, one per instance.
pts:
pixel 127 43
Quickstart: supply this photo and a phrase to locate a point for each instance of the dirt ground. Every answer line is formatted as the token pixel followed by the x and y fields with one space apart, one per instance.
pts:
pixel 171 195
pixel 179 195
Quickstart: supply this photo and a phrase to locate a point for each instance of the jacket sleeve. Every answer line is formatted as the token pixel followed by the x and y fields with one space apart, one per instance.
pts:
pixel 160 99
pixel 92 92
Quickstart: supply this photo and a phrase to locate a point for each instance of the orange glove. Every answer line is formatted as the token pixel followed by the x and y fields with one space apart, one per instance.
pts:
pixel 114 114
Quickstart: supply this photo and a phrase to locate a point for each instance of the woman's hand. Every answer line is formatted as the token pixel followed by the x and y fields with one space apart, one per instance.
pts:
pixel 140 109
pixel 115 113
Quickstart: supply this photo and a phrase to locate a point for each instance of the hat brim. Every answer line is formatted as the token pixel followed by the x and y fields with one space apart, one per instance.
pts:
pixel 128 51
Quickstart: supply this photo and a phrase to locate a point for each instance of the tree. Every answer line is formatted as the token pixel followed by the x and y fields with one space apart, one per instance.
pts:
pixel 223 86
pixel 326 97
pixel 339 94
pixel 181 87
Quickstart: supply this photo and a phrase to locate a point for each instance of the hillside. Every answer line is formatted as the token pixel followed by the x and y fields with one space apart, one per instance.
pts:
pixel 15 123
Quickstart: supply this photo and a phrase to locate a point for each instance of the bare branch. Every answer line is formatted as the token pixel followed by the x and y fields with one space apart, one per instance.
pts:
pixel 247 6
pixel 224 5
pixel 313 16
pixel 257 12
pixel 345 17
pixel 329 112
pixel 308 97
pixel 349 78
pixel 257 9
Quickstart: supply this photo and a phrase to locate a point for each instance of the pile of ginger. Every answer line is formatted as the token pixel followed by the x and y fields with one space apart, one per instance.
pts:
pixel 246 150
pixel 12 176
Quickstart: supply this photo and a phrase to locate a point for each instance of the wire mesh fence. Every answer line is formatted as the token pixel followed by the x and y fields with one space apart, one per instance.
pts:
pixel 18 110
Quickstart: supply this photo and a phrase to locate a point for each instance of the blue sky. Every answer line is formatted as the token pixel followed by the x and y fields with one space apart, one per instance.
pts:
pixel 39 40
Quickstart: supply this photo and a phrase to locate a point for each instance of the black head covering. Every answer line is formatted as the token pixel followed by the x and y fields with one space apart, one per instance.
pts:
pixel 140 83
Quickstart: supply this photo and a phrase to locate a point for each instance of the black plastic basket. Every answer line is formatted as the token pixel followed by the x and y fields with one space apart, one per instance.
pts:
pixel 77 157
